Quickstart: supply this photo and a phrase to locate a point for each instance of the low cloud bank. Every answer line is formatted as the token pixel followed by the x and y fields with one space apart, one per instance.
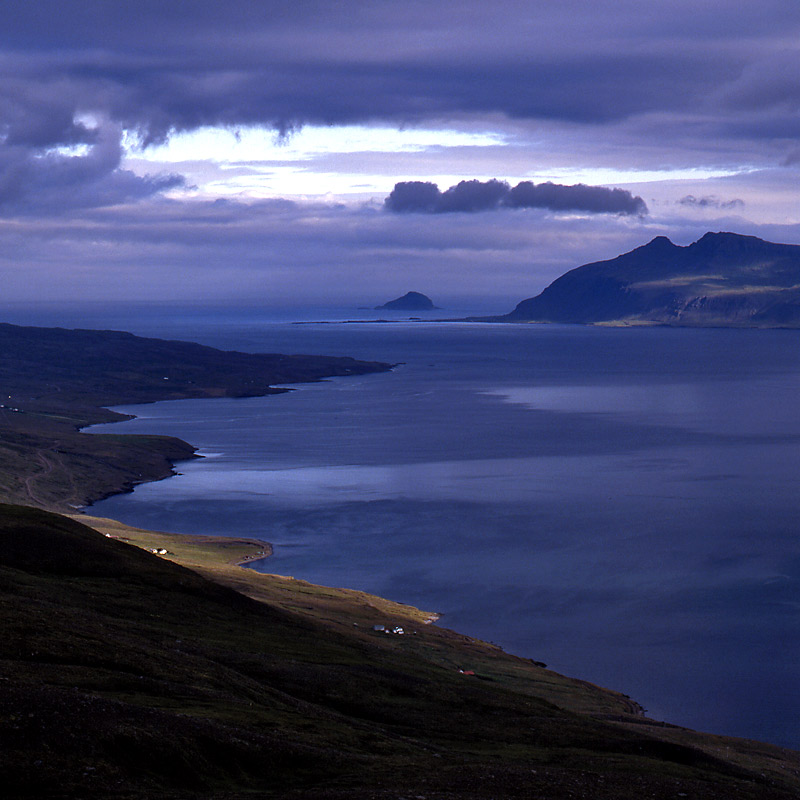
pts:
pixel 470 196
pixel 710 201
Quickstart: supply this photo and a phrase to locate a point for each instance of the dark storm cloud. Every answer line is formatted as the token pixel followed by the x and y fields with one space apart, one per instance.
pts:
pixel 413 196
pixel 156 67
pixel 159 66
pixel 710 201
pixel 596 199
pixel 424 197
pixel 471 196
pixel 157 92
pixel 50 181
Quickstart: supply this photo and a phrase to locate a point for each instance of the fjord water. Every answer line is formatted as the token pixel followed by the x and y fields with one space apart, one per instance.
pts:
pixel 622 504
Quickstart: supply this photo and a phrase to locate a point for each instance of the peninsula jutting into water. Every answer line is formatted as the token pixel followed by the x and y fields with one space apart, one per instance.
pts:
pixel 57 381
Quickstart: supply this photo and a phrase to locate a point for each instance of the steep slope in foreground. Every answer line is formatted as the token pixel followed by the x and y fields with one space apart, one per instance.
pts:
pixel 723 279
pixel 56 381
pixel 125 675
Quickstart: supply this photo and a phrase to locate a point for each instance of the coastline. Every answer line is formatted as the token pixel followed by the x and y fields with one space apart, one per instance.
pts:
pixel 220 553
pixel 183 675
pixel 513 625
pixel 224 560
pixel 254 556
pixel 59 382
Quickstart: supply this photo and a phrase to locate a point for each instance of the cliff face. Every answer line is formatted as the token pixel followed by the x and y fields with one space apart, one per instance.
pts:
pixel 721 279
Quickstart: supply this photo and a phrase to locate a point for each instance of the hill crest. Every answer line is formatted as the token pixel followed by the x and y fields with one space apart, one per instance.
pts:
pixel 722 279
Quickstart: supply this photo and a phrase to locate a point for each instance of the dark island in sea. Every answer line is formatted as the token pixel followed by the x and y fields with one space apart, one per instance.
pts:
pixel 723 279
pixel 411 301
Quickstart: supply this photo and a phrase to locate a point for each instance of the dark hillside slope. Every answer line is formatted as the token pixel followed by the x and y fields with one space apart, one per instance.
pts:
pixel 125 675
pixel 722 279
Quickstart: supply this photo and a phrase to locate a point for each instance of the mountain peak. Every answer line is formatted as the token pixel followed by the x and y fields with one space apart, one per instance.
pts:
pixel 724 241
pixel 722 279
pixel 660 243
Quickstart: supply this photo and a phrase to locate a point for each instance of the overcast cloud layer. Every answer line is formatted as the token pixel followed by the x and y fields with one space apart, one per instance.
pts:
pixel 603 124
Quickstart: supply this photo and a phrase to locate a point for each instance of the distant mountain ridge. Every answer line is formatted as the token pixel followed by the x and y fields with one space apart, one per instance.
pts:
pixel 723 279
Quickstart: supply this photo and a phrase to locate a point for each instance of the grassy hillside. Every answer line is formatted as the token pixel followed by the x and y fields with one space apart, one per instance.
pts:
pixel 126 674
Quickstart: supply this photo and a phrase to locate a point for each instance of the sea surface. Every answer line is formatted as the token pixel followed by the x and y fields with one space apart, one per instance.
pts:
pixel 622 504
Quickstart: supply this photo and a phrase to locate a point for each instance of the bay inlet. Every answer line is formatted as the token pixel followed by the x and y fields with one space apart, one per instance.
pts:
pixel 621 504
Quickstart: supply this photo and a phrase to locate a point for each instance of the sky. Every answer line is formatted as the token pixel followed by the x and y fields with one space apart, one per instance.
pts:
pixel 286 153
